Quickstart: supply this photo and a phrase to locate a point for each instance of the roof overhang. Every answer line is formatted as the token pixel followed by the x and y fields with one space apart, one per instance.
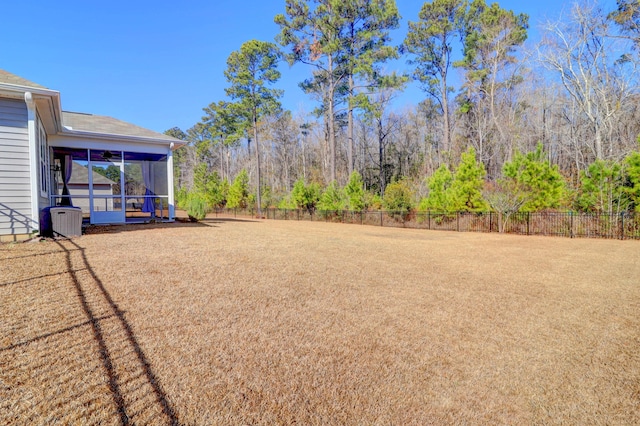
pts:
pixel 50 111
pixel 47 101
pixel 173 144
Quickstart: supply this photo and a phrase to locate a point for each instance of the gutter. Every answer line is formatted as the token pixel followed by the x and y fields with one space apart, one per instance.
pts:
pixel 33 90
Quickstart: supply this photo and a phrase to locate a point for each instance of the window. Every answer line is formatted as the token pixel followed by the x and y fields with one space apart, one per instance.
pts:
pixel 41 137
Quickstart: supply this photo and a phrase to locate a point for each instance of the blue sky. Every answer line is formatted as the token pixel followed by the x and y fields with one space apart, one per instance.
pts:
pixel 158 63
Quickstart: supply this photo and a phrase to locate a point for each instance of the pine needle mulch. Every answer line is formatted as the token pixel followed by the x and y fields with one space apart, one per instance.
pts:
pixel 265 322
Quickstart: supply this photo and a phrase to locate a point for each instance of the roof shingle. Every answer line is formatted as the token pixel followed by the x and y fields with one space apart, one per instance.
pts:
pixel 8 78
pixel 109 125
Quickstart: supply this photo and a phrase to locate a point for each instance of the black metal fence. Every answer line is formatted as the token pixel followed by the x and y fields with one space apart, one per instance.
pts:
pixel 561 224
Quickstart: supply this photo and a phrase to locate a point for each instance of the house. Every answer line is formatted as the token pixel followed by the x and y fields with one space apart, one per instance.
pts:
pixel 46 155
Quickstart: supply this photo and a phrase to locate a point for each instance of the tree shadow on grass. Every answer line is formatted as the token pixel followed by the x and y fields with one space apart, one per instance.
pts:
pixel 68 354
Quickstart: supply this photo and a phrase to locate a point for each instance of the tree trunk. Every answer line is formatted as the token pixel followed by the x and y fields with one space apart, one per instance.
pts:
pixel 304 155
pixel 598 141
pixel 221 159
pixel 382 177
pixel 331 122
pixel 350 144
pixel 446 134
pixel 227 158
pixel 258 177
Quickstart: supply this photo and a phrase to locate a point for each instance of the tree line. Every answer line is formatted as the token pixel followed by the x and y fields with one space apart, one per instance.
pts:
pixel 504 125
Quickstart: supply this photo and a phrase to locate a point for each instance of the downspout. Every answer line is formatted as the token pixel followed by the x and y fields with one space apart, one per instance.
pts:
pixel 33 162
pixel 172 208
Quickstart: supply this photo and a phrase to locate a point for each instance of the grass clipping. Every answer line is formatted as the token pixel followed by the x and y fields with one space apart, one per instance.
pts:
pixel 265 322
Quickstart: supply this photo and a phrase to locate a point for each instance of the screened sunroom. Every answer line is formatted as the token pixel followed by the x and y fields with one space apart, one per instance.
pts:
pixel 112 186
pixel 114 171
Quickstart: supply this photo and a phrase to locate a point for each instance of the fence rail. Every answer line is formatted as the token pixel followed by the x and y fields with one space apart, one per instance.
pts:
pixel 562 224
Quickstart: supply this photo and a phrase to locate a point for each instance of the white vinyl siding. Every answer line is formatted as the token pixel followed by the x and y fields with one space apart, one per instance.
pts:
pixel 13 113
pixel 15 197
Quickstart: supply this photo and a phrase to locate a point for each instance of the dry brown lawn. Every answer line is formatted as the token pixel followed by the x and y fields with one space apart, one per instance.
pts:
pixel 274 322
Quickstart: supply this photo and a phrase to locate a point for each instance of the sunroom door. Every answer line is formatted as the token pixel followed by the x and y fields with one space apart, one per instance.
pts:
pixel 106 196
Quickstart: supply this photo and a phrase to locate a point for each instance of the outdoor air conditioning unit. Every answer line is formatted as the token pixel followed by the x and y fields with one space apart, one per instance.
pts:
pixel 63 222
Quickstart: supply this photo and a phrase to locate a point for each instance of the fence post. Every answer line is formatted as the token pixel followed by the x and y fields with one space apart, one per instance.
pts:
pixel 622 226
pixel 458 221
pixel 528 222
pixel 429 219
pixel 380 217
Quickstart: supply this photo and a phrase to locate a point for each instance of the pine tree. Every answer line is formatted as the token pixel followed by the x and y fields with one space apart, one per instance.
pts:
pixel 342 40
pixel 632 163
pixel 312 35
pixel 602 188
pixel 249 71
pixel 305 196
pixel 216 191
pixel 200 178
pixel 627 16
pixel 331 198
pixel 239 191
pixel 439 184
pixel 431 41
pixel 468 181
pixel 534 175
pixel 366 47
pixel 354 193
